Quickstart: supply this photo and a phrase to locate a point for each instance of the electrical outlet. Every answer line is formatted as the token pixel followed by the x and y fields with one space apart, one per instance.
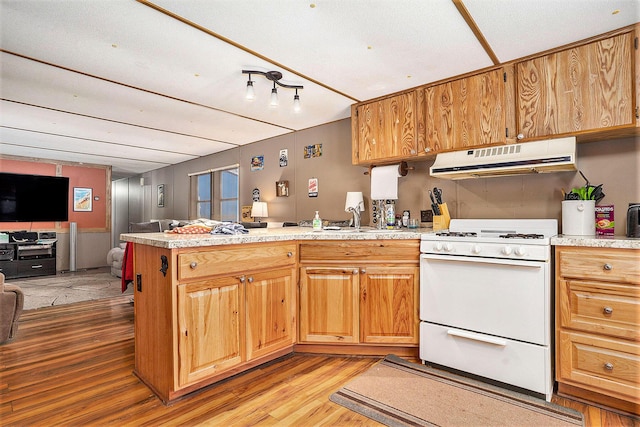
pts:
pixel 426 216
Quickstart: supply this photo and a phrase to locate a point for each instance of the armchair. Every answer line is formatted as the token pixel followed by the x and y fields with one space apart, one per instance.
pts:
pixel 11 303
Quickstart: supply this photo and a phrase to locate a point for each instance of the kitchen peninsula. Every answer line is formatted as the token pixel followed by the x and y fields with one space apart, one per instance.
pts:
pixel 210 306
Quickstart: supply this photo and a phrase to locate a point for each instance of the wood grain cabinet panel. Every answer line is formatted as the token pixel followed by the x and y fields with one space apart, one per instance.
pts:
pixel 355 294
pixel 466 113
pixel 384 129
pixel 598 325
pixel 210 328
pixel 578 90
pixel 389 310
pixel 329 304
pixel 270 305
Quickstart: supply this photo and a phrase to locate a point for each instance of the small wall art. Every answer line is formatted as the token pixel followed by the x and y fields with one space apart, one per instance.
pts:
pixel 282 188
pixel 284 157
pixel 257 163
pixel 82 199
pixel 161 196
pixel 246 213
pixel 312 151
pixel 313 187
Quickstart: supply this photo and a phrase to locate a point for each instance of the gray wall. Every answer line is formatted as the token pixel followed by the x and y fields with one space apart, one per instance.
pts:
pixel 613 163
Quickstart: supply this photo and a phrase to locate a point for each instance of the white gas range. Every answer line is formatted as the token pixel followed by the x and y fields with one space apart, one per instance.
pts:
pixel 485 300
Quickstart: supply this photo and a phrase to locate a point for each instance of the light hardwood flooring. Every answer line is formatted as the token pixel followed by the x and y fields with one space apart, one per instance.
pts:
pixel 72 365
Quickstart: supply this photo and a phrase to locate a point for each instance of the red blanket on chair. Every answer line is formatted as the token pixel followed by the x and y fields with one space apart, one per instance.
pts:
pixel 127 266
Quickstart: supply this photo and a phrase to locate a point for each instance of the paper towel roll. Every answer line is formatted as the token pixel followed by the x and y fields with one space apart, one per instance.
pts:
pixel 384 182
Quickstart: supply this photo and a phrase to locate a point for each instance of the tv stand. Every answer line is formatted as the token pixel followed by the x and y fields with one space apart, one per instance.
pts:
pixel 28 254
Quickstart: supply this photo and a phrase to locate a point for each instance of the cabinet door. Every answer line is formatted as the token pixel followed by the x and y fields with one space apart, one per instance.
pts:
pixel 210 322
pixel 389 305
pixel 582 89
pixel 329 304
pixel 386 128
pixel 464 113
pixel 269 307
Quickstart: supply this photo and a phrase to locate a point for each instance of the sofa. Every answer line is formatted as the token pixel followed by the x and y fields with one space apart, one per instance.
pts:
pixel 11 303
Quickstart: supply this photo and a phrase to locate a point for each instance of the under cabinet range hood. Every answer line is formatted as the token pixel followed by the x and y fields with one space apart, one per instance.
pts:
pixel 552 155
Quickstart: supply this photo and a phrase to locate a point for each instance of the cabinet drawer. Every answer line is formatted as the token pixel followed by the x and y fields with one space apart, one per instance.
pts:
pixel 614 265
pixel 607 366
pixel 600 307
pixel 388 251
pixel 234 260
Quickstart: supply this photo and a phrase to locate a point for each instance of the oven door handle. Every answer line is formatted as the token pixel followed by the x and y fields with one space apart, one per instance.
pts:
pixel 477 337
pixel 480 260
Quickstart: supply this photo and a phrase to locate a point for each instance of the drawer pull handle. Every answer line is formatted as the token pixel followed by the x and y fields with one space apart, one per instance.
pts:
pixel 608 267
pixel 608 366
pixel 607 310
pixel 289 254
pixel 193 265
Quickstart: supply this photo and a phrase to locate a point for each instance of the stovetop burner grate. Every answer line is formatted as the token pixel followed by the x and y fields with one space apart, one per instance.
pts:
pixel 521 236
pixel 457 234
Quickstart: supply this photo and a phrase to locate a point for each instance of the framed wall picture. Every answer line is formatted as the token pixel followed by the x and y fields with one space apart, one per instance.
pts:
pixel 82 199
pixel 161 196
pixel 282 188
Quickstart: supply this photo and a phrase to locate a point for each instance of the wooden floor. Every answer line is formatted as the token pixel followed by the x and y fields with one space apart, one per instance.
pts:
pixel 72 365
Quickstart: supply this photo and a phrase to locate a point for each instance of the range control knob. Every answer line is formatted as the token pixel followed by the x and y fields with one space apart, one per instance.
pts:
pixel 507 250
pixel 476 249
pixel 448 247
pixel 437 246
pixel 520 251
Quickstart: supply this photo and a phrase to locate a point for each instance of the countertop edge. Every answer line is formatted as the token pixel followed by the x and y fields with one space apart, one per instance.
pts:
pixel 619 242
pixel 177 241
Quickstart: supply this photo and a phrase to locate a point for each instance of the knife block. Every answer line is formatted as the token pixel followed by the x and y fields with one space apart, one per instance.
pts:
pixel 441 222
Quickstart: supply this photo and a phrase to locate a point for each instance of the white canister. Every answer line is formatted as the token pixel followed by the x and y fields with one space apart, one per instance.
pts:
pixel 579 217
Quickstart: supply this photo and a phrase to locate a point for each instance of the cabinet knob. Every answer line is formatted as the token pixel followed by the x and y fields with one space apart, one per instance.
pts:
pixel 608 267
pixel 520 136
pixel 363 271
pixel 607 310
pixel 193 264
pixel 608 366
pixel 250 279
pixel 413 151
pixel 355 271
pixel 289 254
pixel 427 149
pixel 373 141
pixel 242 279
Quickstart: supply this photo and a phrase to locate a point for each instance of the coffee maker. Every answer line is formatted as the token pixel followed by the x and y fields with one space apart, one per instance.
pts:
pixel 633 220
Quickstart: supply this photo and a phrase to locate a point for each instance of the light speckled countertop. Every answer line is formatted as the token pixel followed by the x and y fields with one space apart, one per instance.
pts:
pixel 175 241
pixel 597 241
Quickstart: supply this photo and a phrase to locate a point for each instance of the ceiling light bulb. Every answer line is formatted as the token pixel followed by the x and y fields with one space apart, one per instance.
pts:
pixel 296 103
pixel 274 97
pixel 250 95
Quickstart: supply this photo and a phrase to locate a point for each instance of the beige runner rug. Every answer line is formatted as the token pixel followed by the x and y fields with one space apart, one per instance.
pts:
pixel 399 393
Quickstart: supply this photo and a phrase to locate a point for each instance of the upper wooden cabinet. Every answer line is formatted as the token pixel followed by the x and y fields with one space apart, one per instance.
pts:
pixel 466 113
pixel 580 90
pixel 384 129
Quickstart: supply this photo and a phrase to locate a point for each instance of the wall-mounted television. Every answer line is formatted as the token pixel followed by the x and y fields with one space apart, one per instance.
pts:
pixel 33 198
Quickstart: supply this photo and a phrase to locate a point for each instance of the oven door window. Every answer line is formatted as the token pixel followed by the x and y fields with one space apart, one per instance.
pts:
pixel 504 298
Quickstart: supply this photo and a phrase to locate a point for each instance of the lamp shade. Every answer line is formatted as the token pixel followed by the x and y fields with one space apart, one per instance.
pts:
pixel 259 210
pixel 354 200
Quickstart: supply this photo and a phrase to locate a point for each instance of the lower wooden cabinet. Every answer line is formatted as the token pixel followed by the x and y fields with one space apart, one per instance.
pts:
pixel 365 303
pixel 210 328
pixel 214 314
pixel 598 325
pixel 270 304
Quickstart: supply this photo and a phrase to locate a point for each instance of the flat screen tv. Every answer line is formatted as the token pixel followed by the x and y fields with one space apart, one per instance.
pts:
pixel 33 198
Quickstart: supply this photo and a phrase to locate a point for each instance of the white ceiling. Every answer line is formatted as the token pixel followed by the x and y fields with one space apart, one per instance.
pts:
pixel 142 85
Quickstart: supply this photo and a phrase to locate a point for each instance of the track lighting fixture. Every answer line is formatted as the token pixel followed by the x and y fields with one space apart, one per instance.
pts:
pixel 275 77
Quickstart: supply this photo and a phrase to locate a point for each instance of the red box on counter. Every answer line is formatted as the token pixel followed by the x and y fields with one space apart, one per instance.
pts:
pixel 604 220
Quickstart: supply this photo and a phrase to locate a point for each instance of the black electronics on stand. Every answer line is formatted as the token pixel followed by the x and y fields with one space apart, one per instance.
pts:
pixel 28 253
